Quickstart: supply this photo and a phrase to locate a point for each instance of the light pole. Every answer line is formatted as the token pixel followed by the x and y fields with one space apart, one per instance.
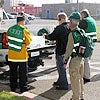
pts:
pixel 77 5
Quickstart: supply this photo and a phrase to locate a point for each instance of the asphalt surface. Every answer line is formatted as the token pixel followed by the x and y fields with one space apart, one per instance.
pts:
pixel 41 81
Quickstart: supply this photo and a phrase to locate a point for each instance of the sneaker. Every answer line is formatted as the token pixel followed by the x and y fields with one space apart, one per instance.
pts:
pixel 56 83
pixel 26 88
pixel 86 80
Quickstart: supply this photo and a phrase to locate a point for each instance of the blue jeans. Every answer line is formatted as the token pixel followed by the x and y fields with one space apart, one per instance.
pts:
pixel 62 79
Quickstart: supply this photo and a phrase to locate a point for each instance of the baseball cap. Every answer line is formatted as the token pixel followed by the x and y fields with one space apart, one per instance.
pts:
pixel 75 15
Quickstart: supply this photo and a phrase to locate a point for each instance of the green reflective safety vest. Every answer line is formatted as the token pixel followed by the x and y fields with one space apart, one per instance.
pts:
pixel 15 37
pixel 76 37
pixel 91 28
pixel 83 44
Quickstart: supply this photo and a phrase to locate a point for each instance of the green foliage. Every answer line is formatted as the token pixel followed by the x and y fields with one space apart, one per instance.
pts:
pixel 7 96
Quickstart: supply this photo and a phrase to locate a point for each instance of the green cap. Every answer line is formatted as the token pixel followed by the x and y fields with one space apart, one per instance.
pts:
pixel 75 15
pixel 41 31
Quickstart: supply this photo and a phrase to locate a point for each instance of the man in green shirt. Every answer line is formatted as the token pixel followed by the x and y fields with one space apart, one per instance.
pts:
pixel 88 24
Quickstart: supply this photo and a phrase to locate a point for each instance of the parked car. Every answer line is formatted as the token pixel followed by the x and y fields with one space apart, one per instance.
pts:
pixel 31 17
pixel 28 16
pixel 11 16
pixel 14 14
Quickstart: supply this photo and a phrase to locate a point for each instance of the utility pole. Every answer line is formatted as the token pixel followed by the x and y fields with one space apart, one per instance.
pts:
pixel 77 5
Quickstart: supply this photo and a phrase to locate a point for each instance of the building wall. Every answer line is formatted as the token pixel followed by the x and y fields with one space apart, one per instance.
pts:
pixel 68 8
pixel 26 8
pixel 67 1
pixel 7 5
pixel 29 9
pixel 37 11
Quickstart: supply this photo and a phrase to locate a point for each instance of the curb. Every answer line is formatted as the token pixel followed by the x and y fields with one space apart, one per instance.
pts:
pixel 29 96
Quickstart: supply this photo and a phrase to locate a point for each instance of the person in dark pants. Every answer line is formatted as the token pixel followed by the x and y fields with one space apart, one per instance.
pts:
pixel 18 38
pixel 60 34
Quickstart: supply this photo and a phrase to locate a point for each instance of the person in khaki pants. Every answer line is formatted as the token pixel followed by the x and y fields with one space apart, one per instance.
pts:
pixel 75 64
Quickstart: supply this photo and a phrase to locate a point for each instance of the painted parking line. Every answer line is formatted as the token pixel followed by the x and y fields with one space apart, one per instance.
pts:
pixel 93 63
pixel 96 68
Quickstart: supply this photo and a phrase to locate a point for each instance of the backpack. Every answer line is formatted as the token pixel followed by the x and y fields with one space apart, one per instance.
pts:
pixel 86 44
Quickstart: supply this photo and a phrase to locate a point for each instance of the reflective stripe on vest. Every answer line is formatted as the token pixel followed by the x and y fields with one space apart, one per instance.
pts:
pixel 75 45
pixel 15 39
pixel 76 38
pixel 92 35
pixel 14 46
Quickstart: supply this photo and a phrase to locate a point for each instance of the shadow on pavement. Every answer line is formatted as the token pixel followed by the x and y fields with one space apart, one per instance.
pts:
pixel 32 76
pixel 41 73
pixel 95 78
pixel 53 94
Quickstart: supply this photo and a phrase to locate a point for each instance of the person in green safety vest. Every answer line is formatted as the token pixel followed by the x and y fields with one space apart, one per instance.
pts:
pixel 88 24
pixel 18 38
pixel 72 59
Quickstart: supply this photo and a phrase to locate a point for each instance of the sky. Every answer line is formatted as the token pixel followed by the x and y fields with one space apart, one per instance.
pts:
pixel 40 2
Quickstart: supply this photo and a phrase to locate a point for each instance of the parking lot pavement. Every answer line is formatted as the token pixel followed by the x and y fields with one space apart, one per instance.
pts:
pixel 41 81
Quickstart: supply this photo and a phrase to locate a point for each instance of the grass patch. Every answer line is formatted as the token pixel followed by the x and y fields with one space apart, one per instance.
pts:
pixel 98 32
pixel 7 96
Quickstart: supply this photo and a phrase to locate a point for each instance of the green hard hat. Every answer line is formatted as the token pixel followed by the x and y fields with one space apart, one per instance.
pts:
pixel 75 15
